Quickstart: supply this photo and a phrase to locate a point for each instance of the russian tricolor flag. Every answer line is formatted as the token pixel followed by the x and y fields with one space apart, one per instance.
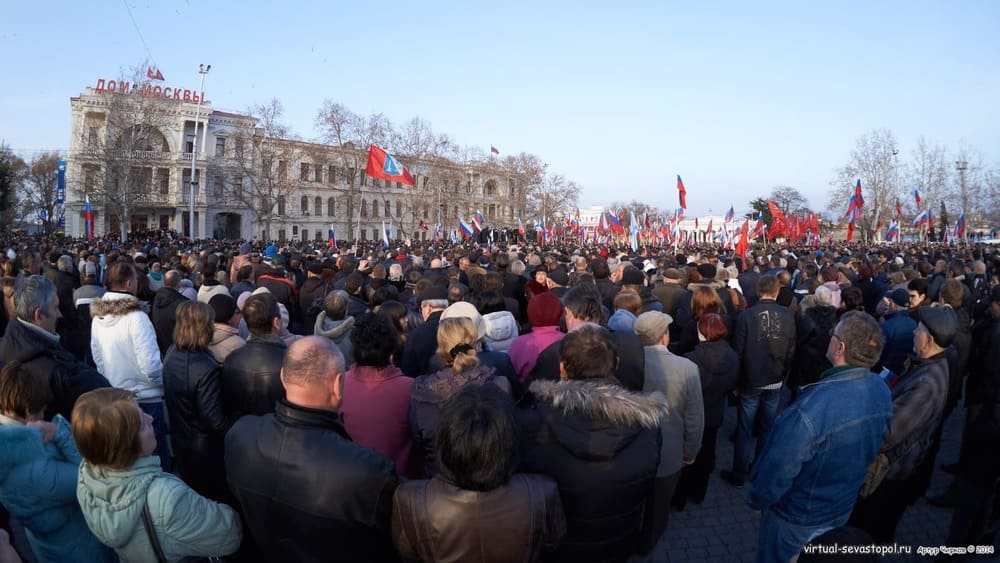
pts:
pixel 89 219
pixel 730 215
pixel 465 229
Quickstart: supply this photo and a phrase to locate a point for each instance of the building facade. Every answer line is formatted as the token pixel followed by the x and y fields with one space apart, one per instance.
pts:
pixel 130 155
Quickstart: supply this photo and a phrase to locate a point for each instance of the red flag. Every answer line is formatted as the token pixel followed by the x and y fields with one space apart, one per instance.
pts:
pixel 850 231
pixel 153 75
pixel 384 166
pixel 743 244
pixel 899 210
pixel 779 225
pixel 682 192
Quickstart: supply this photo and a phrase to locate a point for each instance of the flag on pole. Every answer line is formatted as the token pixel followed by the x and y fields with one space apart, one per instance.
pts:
pixel 633 230
pixel 730 215
pixel 385 237
pixel 681 192
pixel 384 166
pixel 89 219
pixel 494 150
pixel 743 245
pixel 960 226
pixel 153 75
pixel 859 201
pixel 331 237
pixel 465 229
pixel 916 196
pixel 920 219
pixel 899 210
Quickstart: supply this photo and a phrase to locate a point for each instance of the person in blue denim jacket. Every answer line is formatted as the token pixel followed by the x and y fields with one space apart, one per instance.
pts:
pixel 817 455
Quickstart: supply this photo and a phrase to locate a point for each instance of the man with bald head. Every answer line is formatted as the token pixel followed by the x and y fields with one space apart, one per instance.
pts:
pixel 164 310
pixel 305 489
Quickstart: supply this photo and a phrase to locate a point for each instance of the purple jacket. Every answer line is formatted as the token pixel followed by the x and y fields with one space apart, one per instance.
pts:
pixel 376 412
pixel 525 349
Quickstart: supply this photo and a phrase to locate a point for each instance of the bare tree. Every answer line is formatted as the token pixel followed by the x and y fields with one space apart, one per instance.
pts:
pixel 128 139
pixel 871 161
pixel 39 188
pixel 974 200
pixel 554 197
pixel 12 172
pixel 789 200
pixel 435 153
pixel 928 171
pixel 261 160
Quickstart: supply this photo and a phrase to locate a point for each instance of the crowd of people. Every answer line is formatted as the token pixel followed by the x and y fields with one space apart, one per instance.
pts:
pixel 167 399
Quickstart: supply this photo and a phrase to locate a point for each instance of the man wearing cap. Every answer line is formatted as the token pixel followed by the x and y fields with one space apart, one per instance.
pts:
pixel 681 429
pixel 764 340
pixel 421 343
pixel 897 329
pixel 226 337
pixel 815 459
pixel 918 400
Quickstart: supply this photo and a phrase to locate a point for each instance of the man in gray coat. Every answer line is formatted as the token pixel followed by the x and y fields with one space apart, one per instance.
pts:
pixel 678 379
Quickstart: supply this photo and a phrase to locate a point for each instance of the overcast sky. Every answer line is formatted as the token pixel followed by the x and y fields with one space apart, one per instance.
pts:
pixel 736 97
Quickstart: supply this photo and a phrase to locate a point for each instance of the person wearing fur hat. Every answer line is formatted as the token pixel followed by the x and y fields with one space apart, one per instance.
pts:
pixel 908 451
pixel 601 444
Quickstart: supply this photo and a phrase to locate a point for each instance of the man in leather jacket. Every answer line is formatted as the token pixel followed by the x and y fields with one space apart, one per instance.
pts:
pixel 250 375
pixel 306 491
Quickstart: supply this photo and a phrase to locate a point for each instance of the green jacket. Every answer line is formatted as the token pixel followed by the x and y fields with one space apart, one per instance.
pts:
pixel 186 523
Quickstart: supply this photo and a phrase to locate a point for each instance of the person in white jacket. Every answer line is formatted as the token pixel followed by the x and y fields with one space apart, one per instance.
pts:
pixel 123 343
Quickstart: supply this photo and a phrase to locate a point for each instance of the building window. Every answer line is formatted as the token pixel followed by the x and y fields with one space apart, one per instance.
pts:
pixel 445 186
pixel 319 173
pixel 92 136
pixel 376 183
pixel 238 187
pixel 331 174
pixel 425 212
pixel 189 144
pixel 426 179
pixel 388 209
pixel 220 146
pixel 319 236
pixel 218 186
pixel 295 230
pixel 282 169
pixel 350 175
pixel 281 205
pixel 331 207
pixel 281 235
pixel 304 171
pixel 510 187
pixel 364 234
pixel 364 178
pixel 238 151
pixel 318 205
pixel 374 208
pixel 398 185
pixel 163 180
pixel 399 208
pixel 364 209
pixel 305 235
pixel 304 203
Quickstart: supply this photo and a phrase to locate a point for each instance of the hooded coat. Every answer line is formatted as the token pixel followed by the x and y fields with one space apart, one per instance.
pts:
pixel 601 444
pixel 38 487
pixel 124 346
pixel 501 330
pixel 339 332
pixel 186 523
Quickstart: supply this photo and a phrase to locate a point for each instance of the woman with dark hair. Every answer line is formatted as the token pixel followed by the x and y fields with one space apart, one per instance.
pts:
pixel 192 388
pixel 719 368
pixel 127 499
pixel 537 282
pixel 450 517
pixel 376 405
pixel 704 300
pixel 457 338
pixel 39 465
pixel 399 316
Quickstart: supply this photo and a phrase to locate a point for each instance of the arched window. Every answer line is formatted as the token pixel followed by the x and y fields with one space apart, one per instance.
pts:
pixel 388 209
pixel 364 209
pixel 281 205
pixel 318 205
pixel 399 209
pixel 331 207
pixel 374 208
pixel 304 203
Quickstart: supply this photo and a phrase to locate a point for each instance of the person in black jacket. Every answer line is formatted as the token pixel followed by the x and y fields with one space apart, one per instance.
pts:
pixel 31 339
pixel 764 340
pixel 601 444
pixel 421 343
pixel 164 310
pixel 251 382
pixel 193 393
pixel 306 491
pixel 719 367
pixel 582 307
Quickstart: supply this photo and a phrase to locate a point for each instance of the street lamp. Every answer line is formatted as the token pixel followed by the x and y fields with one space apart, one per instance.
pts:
pixel 962 166
pixel 202 70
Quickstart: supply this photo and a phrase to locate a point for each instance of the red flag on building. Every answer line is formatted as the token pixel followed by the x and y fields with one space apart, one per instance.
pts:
pixel 384 166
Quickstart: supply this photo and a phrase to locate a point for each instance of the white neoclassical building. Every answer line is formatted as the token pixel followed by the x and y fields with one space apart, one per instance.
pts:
pixel 130 154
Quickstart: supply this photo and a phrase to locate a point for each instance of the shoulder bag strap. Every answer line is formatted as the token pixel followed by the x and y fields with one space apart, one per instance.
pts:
pixel 147 522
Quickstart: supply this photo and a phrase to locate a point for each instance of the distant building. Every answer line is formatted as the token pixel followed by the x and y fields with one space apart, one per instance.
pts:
pixel 133 151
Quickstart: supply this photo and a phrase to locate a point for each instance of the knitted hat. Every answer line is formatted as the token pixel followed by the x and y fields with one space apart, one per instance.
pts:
pixel 224 306
pixel 544 309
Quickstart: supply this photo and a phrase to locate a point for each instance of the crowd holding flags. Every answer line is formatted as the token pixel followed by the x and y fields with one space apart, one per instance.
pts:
pixel 331 238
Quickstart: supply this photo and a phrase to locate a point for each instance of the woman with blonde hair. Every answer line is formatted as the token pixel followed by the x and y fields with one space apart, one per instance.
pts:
pixel 457 338
pixel 128 501
pixel 192 389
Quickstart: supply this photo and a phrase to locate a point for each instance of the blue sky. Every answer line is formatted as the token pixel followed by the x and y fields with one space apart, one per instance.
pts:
pixel 736 97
